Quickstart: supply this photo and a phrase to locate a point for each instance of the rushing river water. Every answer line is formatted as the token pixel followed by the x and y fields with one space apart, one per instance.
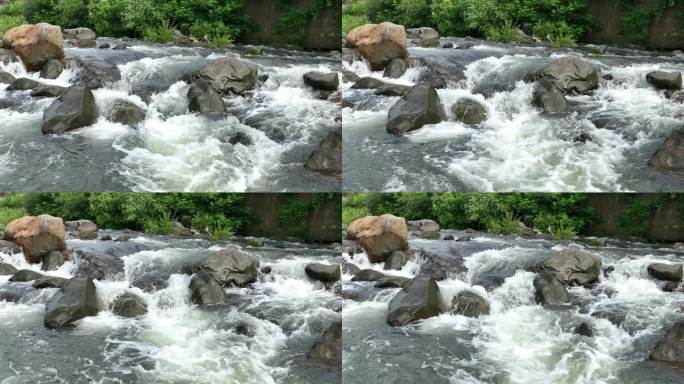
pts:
pixel 519 341
pixel 172 150
pixel 518 147
pixel 175 342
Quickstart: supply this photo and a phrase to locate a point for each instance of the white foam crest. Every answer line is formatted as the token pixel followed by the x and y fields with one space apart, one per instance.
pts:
pixel 18 315
pixel 361 260
pixel 17 69
pixel 19 262
pixel 480 263
pixel 147 68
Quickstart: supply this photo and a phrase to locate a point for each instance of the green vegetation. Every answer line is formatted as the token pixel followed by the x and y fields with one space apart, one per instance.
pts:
pixel 636 18
pixel 11 15
pixel 294 213
pixel 558 21
pixel 292 21
pixel 561 214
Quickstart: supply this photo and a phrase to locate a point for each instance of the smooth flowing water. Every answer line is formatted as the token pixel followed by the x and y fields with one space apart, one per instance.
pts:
pixel 173 149
pixel 519 341
pixel 518 147
pixel 176 341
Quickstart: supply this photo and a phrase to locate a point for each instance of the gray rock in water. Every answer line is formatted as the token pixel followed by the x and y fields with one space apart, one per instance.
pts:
pixel 98 266
pixel 470 304
pixel 8 56
pixel 52 69
pixel 669 272
pixel 671 348
pixel 440 265
pixel 75 108
pixel 327 158
pixel 670 156
pixel 96 73
pixel 25 275
pixel 584 329
pixel 151 281
pixel 52 260
pixel 548 97
pixel 395 260
pixel 205 290
pixel 7 269
pixel 392 282
pixel 438 73
pixel 572 266
pixel 368 275
pixel 665 80
pixel 392 90
pixel 240 138
pixel 323 272
pixel 129 305
pixel 469 111
pixel 368 83
pixel 350 268
pixel 204 99
pixel 327 351
pixel 322 81
pixel 419 299
pixel 395 69
pixel 48 91
pixel 418 107
pixel 6 78
pixel 74 301
pixel 49 282
pixel 572 75
pixel 127 113
pixel 85 229
pixel 549 290
pixel 349 76
pixel 23 84
pixel 230 267
pixel 228 75
pixel 80 33
pixel 85 43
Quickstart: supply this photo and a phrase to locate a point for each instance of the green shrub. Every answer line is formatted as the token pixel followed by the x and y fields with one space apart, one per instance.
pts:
pixel 163 225
pixel 11 15
pixel 504 33
pixel 162 33
pixel 506 224
pixel 563 233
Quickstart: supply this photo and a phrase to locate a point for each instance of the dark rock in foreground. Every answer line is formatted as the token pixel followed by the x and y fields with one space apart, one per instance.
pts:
pixel 548 97
pixel 670 156
pixel 470 304
pixel 469 111
pixel 328 349
pixel 74 301
pixel 205 290
pixel 671 348
pixel 230 267
pixel 75 108
pixel 327 158
pixel 665 80
pixel 323 272
pixel 549 290
pixel 322 81
pixel 418 107
pixel 669 272
pixel 49 282
pixel 129 305
pixel 25 275
pixel 572 266
pixel 419 299
pixel 204 99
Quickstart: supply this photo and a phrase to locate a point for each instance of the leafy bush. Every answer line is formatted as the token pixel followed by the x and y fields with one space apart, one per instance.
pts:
pixel 11 15
pixel 163 33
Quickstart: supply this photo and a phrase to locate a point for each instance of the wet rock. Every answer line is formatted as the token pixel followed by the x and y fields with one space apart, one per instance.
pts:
pixel 129 305
pixel 327 351
pixel 245 329
pixel 368 275
pixel 427 229
pixel 97 265
pixel 49 282
pixel 25 275
pixel 616 317
pixel 228 75
pixel 596 49
pixel 148 88
pixel 423 37
pixel 23 84
pixel 671 348
pixel 74 301
pixel 323 272
pixel 205 290
pixel 665 80
pixel 204 99
pixel 670 156
pixel 584 329
pixel 230 267
pixel 419 299
pixel 7 269
pixel 379 235
pixel 572 75
pixel 368 83
pixel 470 304
pixel 96 73
pixel 106 238
pixel 121 46
pixel 582 138
pixel 86 229
pixel 75 108
pixel 395 69
pixel 322 81
pixel 350 268
pixel 392 90
pixel 240 138
pixel 440 265
pixel 549 290
pixel 349 76
pixel 669 286
pixel 52 260
pixel 418 107
pixel 608 270
pixel 35 44
pixel 8 56
pixel 489 282
pixel 438 73
pixel 392 282
pixel 469 111
pixel 379 43
pixel 36 235
pixel 127 113
pixel 395 260
pixel 572 266
pixel 8 247
pixel 266 269
pixel 104 46
pixel 52 69
pixel 327 158
pixel 79 34
pixel 48 91
pixel 151 281
pixel 448 237
pixel 6 78
pixel 662 271
pixel 549 97
pixel 448 46
pixel 607 77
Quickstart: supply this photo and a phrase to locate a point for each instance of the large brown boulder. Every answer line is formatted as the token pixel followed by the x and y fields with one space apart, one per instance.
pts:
pixel 230 267
pixel 379 43
pixel 35 44
pixel 228 75
pixel 37 235
pixel 379 236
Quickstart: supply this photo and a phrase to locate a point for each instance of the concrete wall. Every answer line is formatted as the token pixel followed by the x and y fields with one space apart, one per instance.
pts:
pixel 322 225
pixel 322 33
pixel 663 32
pixel 664 224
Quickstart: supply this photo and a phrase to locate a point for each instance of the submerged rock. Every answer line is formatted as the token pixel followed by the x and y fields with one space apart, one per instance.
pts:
pixel 671 348
pixel 670 156
pixel 25 275
pixel 6 78
pixel 549 290
pixel 379 236
pixel 49 282
pixel 150 281
pixel 368 83
pixel 205 290
pixel 396 260
pixel 48 91
pixel 572 266
pixel 327 158
pixel 440 265
pixel 23 84
pixel 240 138
pixel 322 81
pixel 228 75
pixel 35 44
pixel 327 350
pixel 392 90
pixel 98 266
pixel 469 111
pixel 86 229
pixel 96 73
pixel 204 99
pixel 323 272
pixel 379 43
pixel 426 229
pixel 7 269
pixel 350 268
pixel 368 275
pixel 230 267
pixel 425 37
pixel 419 299
pixel 584 329
pixel 395 69
pixel 52 260
pixel 548 97
pixel 418 107
pixel 52 69
pixel 36 235
pixel 75 108
pixel 669 272
pixel 74 301
pixel 470 304
pixel 665 80
pixel 127 113
pixel 392 282
pixel 129 305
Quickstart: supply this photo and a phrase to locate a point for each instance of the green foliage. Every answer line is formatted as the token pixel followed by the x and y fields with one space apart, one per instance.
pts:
pixel 163 33
pixel 636 18
pixel 11 15
pixel 11 207
pixel 504 33
pixel 506 224
pixel 636 215
pixel 353 15
pixel 293 19
pixel 563 233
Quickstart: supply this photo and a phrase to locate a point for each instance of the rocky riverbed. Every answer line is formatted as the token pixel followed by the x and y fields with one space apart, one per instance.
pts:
pixel 122 114
pixel 482 308
pixel 500 117
pixel 136 308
